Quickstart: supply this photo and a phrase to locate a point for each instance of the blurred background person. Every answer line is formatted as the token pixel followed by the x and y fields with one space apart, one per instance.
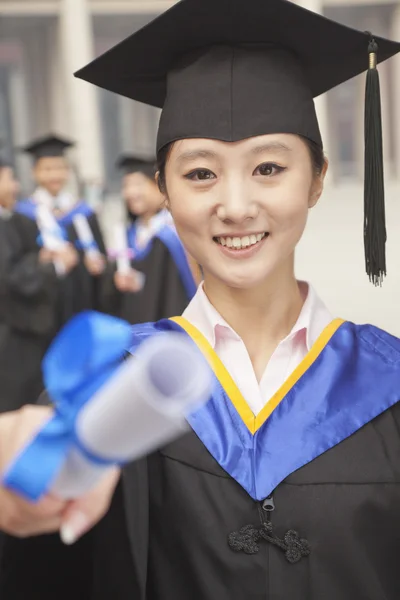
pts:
pixel 51 173
pixel 28 299
pixel 158 281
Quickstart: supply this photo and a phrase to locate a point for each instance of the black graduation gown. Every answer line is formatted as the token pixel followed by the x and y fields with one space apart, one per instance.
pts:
pixel 181 506
pixel 165 537
pixel 87 288
pixel 28 299
pixel 163 294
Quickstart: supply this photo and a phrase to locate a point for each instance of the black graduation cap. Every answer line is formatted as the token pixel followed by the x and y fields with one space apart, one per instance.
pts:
pixel 233 69
pixel 48 146
pixel 130 163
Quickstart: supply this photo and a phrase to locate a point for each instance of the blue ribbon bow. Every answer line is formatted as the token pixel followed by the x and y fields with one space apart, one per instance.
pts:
pixel 84 355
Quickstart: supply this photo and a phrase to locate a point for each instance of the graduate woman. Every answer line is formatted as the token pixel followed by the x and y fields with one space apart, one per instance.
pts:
pixel 287 484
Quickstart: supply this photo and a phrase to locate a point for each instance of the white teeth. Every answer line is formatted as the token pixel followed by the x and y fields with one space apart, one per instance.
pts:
pixel 239 243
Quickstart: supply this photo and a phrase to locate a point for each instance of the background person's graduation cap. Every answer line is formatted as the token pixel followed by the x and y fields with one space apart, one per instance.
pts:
pixel 47 146
pixel 233 69
pixel 130 163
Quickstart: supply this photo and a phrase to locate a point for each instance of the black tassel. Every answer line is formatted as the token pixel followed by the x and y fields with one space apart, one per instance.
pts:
pixel 374 193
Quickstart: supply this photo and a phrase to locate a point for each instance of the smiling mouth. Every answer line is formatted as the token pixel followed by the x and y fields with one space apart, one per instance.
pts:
pixel 240 243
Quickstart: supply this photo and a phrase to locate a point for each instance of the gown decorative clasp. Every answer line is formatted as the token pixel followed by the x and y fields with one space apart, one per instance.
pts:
pixel 247 540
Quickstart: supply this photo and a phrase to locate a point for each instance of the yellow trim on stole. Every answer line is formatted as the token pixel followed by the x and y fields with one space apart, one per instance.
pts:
pixel 252 422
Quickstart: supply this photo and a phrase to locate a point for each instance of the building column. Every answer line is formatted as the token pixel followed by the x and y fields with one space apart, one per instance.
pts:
pixel 20 124
pixel 34 63
pixel 77 49
pixel 395 74
pixel 144 129
pixel 321 103
pixel 59 107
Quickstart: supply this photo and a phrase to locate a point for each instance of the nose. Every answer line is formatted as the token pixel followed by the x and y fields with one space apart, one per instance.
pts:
pixel 236 205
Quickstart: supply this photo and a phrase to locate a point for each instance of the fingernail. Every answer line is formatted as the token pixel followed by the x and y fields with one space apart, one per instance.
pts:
pixel 74 528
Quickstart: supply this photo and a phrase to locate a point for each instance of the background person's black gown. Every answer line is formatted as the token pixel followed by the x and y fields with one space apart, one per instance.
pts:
pixel 86 287
pixel 29 296
pixel 165 537
pixel 162 296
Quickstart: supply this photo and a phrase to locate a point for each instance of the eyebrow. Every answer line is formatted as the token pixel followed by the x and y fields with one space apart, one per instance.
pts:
pixel 271 147
pixel 191 155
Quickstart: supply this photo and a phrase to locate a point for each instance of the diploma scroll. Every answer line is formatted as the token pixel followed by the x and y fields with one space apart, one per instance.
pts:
pixel 52 235
pixel 139 410
pixel 107 412
pixel 85 236
pixel 122 251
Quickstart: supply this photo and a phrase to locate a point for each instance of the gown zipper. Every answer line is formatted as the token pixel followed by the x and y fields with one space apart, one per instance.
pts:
pixel 266 507
pixel 249 537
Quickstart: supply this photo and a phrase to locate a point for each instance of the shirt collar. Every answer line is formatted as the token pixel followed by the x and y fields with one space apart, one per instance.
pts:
pixel 64 201
pixel 313 318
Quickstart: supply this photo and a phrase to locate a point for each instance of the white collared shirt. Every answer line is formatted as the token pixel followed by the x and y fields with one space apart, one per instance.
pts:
pixel 64 201
pixel 313 319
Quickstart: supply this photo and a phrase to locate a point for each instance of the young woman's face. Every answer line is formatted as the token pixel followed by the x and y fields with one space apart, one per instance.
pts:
pixel 141 195
pixel 241 208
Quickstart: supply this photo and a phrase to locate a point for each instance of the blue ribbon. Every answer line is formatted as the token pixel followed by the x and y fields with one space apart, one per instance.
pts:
pixel 84 355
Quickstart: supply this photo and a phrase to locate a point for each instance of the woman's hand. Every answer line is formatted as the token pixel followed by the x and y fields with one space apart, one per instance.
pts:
pixel 21 518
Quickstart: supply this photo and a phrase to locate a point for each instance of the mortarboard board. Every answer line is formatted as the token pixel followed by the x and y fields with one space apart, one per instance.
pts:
pixel 129 163
pixel 48 146
pixel 234 69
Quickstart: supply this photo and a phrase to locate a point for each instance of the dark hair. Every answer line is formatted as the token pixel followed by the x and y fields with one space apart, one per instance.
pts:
pixel 162 158
pixel 316 154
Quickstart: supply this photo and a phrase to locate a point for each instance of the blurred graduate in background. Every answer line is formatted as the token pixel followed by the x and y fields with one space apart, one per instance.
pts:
pixel 28 299
pixel 60 216
pixel 152 276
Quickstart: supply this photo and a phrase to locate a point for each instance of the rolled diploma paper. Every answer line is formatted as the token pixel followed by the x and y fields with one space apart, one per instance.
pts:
pixel 139 410
pixel 85 235
pixel 50 230
pixel 122 250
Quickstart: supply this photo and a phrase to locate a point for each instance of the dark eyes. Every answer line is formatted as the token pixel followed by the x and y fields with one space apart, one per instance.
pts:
pixel 200 175
pixel 268 169
pixel 265 170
